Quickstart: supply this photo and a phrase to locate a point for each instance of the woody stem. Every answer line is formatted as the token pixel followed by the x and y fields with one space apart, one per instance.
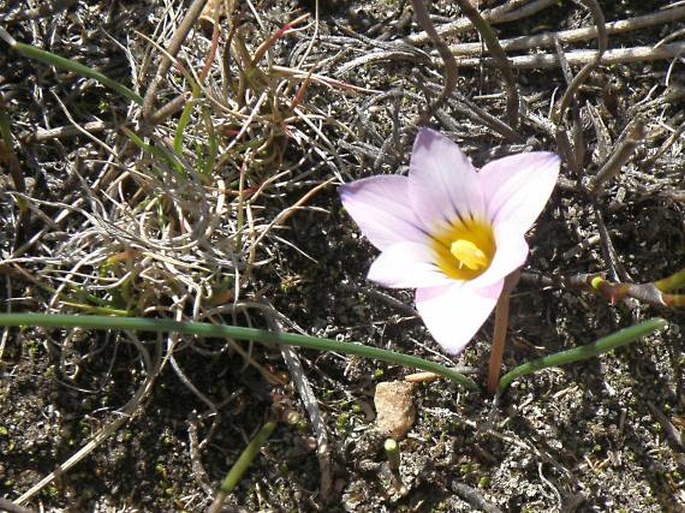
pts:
pixel 499 337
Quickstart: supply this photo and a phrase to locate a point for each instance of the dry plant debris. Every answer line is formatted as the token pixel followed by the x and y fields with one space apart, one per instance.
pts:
pixel 215 200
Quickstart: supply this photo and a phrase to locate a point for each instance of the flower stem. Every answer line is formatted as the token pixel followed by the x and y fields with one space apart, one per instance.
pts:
pixel 499 337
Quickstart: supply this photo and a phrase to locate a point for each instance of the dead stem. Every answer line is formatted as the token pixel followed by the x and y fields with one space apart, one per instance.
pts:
pixel 574 35
pixel 62 132
pixel 612 291
pixel 500 58
pixel 509 11
pixel 474 498
pixel 616 268
pixel 602 45
pixel 447 59
pixel 172 49
pixel 581 57
pixel 11 507
pixel 619 157
pixel 311 405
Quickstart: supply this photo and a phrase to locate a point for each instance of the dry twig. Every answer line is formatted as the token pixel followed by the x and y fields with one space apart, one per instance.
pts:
pixel 172 49
pixel 619 157
pixel 308 397
pixel 602 45
pixel 446 56
pixel 582 57
pixel 500 58
pixel 574 35
pixel 509 11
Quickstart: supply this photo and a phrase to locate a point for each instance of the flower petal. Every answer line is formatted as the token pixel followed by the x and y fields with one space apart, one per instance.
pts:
pixel 407 265
pixel 454 313
pixel 443 184
pixel 511 253
pixel 380 206
pixel 518 187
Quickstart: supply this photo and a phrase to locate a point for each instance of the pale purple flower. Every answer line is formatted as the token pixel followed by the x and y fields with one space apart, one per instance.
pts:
pixel 451 232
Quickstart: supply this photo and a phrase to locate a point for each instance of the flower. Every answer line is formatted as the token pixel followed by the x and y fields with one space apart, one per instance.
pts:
pixel 451 232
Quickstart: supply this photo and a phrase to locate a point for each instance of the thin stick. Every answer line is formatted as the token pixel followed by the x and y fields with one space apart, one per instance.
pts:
pixel 619 157
pixel 474 497
pixel 446 56
pixel 61 132
pixel 602 45
pixel 306 392
pixel 617 270
pixel 174 46
pixel 574 35
pixel 581 57
pixel 653 293
pixel 498 55
pixel 509 11
pixel 11 507
pixel 500 336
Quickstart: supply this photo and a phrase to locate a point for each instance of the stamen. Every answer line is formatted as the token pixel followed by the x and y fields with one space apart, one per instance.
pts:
pixel 469 255
pixel 464 250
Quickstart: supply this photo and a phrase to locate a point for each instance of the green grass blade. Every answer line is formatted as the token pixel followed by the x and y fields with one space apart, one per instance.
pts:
pixel 46 57
pixel 248 455
pixel 202 329
pixel 613 341
pixel 182 124
pixel 241 465
pixel 213 144
pixel 156 151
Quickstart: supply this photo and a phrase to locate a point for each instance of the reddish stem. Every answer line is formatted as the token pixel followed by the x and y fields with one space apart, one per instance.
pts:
pixel 499 337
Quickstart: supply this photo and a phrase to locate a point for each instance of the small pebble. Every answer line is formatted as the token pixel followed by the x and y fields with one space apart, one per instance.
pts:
pixel 395 410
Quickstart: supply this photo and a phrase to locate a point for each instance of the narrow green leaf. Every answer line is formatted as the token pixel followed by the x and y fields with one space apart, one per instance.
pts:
pixel 182 124
pixel 246 457
pixel 618 339
pixel 155 151
pixel 52 59
pixel 202 329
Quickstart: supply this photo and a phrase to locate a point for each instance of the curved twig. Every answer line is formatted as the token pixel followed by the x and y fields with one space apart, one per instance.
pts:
pixel 602 45
pixel 174 46
pixel 498 55
pixel 447 57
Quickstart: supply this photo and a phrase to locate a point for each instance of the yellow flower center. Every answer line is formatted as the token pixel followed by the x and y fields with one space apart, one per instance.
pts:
pixel 468 254
pixel 464 249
